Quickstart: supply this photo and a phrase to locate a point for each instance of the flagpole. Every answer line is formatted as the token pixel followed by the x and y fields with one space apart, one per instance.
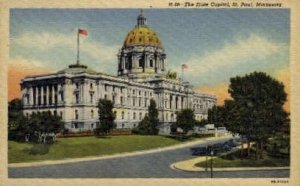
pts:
pixel 77 47
pixel 181 73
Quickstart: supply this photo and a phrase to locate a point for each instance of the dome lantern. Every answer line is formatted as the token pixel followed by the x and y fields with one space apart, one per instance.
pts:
pixel 141 19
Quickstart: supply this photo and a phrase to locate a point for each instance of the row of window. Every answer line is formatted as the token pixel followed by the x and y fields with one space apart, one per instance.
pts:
pixel 92 115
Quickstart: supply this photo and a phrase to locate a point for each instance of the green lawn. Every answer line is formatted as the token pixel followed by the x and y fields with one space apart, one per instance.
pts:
pixel 75 147
pixel 233 160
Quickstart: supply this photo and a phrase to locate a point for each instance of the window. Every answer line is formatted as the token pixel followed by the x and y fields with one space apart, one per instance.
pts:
pixel 115 113
pixel 91 97
pixel 92 114
pixel 105 87
pixel 145 93
pixel 77 98
pixel 114 88
pixel 134 115
pixel 140 102
pixel 133 101
pixel 60 114
pixel 151 63
pixel 167 116
pixel 76 114
pixel 75 125
pixel 122 125
pixel 140 116
pixel 105 96
pixel 77 85
pixel 121 100
pixel 91 86
pixel 113 99
pixel 61 97
pixel 123 114
pixel 55 113
pixel 150 94
pixel 133 91
pixel 92 125
pixel 141 62
pixel 139 92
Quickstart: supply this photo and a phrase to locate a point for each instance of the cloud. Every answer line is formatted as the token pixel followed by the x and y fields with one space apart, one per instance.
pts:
pixel 46 41
pixel 238 56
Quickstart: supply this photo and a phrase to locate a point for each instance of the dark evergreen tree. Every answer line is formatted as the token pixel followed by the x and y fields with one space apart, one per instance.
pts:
pixel 106 117
pixel 149 124
pixel 185 120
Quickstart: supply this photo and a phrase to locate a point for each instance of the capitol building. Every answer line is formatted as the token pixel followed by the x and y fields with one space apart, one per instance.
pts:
pixel 73 93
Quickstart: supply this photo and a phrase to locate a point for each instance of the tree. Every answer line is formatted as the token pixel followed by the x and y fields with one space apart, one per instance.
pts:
pixel 150 122
pixel 14 112
pixel 171 75
pixel 144 126
pixel 153 117
pixel 37 127
pixel 106 117
pixel 185 120
pixel 257 107
pixel 216 115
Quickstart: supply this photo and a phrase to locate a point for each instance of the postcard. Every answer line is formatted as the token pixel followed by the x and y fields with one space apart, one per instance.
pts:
pixel 149 92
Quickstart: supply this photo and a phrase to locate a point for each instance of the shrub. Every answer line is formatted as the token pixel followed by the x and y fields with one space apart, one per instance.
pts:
pixel 39 149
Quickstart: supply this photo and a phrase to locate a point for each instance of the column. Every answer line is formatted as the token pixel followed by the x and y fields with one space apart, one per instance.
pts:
pixel 52 94
pixel 42 95
pixel 36 95
pixel 58 93
pixel 47 95
pixel 30 96
pixel 145 61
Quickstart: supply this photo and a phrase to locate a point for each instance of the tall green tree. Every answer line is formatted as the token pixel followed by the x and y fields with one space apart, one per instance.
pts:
pixel 185 120
pixel 153 117
pixel 106 116
pixel 149 124
pixel 257 107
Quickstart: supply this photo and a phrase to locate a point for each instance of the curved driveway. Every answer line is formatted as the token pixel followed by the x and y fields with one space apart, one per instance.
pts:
pixel 153 165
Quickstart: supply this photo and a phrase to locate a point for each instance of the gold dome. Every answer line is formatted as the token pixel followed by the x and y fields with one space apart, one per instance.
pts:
pixel 142 35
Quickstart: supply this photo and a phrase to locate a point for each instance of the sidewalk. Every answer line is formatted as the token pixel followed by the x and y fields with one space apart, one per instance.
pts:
pixel 126 154
pixel 189 165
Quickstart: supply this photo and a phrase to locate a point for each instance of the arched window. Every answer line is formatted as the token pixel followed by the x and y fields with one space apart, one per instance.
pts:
pixel 134 115
pixel 122 114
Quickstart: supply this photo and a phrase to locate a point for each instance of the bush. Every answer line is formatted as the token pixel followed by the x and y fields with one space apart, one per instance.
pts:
pixel 39 149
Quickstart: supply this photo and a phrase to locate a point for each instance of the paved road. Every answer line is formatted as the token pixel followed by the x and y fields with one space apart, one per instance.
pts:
pixel 154 165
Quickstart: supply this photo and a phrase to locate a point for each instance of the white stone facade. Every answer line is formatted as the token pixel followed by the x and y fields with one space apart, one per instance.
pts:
pixel 73 93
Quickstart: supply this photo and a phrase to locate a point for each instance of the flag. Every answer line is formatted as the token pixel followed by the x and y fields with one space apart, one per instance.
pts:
pixel 83 32
pixel 183 66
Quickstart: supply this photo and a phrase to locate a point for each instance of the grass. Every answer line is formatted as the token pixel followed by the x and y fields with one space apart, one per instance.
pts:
pixel 233 160
pixel 76 147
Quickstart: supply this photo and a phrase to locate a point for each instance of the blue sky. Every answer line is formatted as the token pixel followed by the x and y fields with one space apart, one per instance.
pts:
pixel 216 44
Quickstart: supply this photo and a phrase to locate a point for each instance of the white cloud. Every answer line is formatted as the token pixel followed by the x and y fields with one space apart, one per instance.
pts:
pixel 46 41
pixel 240 53
pixel 27 64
